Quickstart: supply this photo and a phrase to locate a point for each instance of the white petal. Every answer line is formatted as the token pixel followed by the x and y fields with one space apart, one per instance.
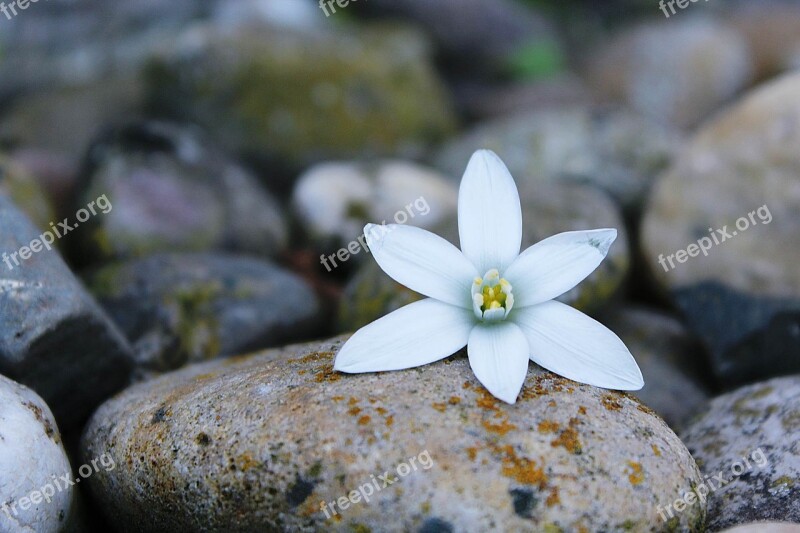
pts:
pixel 571 344
pixel 498 355
pixel 414 335
pixel 423 262
pixel 489 213
pixel 553 266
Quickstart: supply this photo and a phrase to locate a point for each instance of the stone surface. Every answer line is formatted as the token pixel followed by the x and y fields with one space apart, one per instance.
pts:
pixel 170 190
pixel 31 455
pixel 54 337
pixel 26 192
pixel 179 308
pixel 669 357
pixel 334 201
pixel 743 298
pixel 765 527
pixel 618 151
pixel 301 97
pixel 773 35
pixel 759 423
pixel 257 443
pixel 677 71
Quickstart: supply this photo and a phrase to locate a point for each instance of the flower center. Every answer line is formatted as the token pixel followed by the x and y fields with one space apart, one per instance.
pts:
pixel 491 297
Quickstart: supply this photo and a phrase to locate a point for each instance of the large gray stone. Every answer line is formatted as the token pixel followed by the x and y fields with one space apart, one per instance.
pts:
pixel 677 71
pixel 54 337
pixel 751 437
pixel 735 191
pixel 179 308
pixel 170 190
pixel 261 442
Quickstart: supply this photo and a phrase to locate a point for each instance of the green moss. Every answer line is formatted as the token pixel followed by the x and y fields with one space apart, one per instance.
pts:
pixel 197 327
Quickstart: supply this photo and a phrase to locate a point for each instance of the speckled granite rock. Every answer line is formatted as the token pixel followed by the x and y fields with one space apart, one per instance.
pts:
pixel 677 71
pixel 31 455
pixel 760 422
pixel 171 190
pixel 179 308
pixel 669 358
pixel 260 442
pixel 743 298
pixel 334 201
pixel 616 150
pixel 54 337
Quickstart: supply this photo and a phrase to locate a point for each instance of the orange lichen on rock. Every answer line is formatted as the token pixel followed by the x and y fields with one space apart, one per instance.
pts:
pixel 548 426
pixel 552 498
pixel 611 402
pixel 472 452
pixel 636 475
pixel 364 420
pixel 440 407
pixel 454 400
pixel 569 440
pixel 522 469
pixel 501 429
pixel 656 450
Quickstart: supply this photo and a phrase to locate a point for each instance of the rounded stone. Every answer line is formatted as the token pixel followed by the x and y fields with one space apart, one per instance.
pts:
pixel 752 438
pixel 26 192
pixel 707 64
pixel 181 308
pixel 167 189
pixel 333 201
pixel 32 459
pixel 264 441
pixel 734 191
pixel 618 151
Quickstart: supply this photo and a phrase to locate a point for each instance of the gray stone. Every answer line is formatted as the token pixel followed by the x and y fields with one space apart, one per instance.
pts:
pixel 169 190
pixel 618 151
pixel 260 442
pixel 678 71
pixel 26 192
pixel 54 337
pixel 752 438
pixel 334 201
pixel 179 308
pixel 31 456
pixel 670 359
pixel 299 97
pixel 739 178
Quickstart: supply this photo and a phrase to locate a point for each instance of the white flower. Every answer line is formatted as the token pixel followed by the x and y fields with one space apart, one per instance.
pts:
pixel 489 297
